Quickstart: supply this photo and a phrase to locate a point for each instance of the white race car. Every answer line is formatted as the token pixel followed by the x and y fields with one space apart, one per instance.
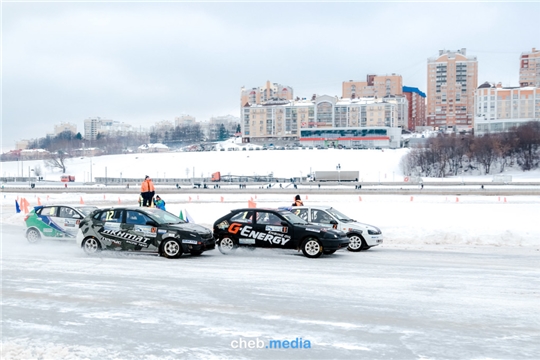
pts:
pixel 361 236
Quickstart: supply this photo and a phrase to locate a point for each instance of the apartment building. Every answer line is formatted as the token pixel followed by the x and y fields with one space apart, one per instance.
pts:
pixel 94 126
pixel 184 120
pixel 452 78
pixel 60 128
pixel 285 120
pixel 374 86
pixel 268 92
pixel 529 68
pixel 499 108
pixel 417 107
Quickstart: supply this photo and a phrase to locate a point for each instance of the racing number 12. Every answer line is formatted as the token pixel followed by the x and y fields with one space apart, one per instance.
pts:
pixel 109 216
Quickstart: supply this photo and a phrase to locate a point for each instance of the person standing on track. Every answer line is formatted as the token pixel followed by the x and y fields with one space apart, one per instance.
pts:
pixel 147 191
pixel 297 201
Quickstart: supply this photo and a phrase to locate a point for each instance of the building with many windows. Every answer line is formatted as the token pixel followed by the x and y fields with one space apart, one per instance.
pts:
pixel 285 120
pixel 62 127
pixel 417 107
pixel 452 78
pixel 499 108
pixel 268 92
pixel 529 68
pixel 375 86
pixel 97 125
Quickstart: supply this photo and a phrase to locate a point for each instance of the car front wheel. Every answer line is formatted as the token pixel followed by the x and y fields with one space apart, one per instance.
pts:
pixel 312 248
pixel 91 246
pixel 172 249
pixel 33 236
pixel 227 246
pixel 356 243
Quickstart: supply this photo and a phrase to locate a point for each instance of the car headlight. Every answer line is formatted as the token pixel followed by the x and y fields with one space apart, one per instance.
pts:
pixel 374 231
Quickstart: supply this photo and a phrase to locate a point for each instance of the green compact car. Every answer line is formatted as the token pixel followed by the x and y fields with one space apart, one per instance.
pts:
pixel 55 222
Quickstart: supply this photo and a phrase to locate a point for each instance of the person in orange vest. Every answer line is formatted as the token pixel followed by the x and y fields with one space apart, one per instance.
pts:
pixel 297 201
pixel 147 191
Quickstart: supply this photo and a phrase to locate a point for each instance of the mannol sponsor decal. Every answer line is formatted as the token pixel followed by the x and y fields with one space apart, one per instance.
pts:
pixel 248 232
pixel 130 238
pixel 282 229
pixel 189 242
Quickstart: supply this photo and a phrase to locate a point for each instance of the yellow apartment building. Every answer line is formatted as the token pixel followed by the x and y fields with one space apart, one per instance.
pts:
pixel 452 78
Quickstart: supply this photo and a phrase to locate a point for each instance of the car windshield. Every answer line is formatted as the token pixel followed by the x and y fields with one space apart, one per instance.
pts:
pixel 163 217
pixel 339 216
pixel 86 210
pixel 293 218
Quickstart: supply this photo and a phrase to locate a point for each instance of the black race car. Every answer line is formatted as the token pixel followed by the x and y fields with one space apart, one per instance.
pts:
pixel 274 228
pixel 145 230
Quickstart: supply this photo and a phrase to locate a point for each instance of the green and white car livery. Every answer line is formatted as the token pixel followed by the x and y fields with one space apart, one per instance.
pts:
pixel 55 221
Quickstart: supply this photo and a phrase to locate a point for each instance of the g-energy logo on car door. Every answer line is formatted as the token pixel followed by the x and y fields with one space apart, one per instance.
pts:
pixel 247 231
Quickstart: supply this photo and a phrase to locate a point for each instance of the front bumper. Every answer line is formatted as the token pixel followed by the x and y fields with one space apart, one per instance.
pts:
pixel 335 244
pixel 374 240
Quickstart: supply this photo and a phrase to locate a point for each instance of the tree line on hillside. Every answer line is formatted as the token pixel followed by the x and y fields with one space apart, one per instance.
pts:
pixel 451 155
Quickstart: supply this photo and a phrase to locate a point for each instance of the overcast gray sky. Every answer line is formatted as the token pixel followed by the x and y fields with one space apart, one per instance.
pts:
pixel 144 62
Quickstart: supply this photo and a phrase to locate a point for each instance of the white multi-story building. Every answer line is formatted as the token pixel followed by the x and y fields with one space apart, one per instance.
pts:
pixel 96 125
pixel 184 120
pixel 499 108
pixel 284 120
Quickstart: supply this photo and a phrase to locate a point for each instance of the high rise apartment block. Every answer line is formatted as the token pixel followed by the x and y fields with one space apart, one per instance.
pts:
pixel 264 94
pixel 417 107
pixel 62 127
pixel 499 108
pixel 375 86
pixel 529 68
pixel 452 78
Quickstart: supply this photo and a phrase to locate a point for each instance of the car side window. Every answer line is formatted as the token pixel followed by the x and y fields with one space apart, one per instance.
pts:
pixel 111 216
pixel 136 218
pixel 267 218
pixel 69 213
pixel 243 217
pixel 301 213
pixel 49 211
pixel 320 216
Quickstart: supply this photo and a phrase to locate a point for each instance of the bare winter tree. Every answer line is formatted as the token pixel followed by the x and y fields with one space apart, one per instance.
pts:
pixel 57 160
pixel 528 145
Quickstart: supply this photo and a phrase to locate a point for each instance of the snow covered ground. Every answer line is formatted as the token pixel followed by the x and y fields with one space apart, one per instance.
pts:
pixel 456 277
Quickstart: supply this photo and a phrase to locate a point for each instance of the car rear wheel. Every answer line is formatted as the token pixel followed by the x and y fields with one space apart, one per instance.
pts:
pixel 227 246
pixel 33 236
pixel 312 248
pixel 356 243
pixel 172 249
pixel 91 246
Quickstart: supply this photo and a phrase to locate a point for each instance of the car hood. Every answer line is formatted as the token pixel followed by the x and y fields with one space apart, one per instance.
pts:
pixel 190 227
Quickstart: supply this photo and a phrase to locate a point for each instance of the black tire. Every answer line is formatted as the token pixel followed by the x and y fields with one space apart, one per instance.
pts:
pixel 312 248
pixel 329 252
pixel 356 243
pixel 227 245
pixel 33 236
pixel 171 249
pixel 91 245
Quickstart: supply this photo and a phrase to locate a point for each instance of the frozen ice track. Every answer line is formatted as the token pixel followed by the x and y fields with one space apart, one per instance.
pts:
pixel 397 302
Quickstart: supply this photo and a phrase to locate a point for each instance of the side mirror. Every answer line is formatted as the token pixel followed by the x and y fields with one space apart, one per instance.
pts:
pixel 151 223
pixel 284 223
pixel 333 222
